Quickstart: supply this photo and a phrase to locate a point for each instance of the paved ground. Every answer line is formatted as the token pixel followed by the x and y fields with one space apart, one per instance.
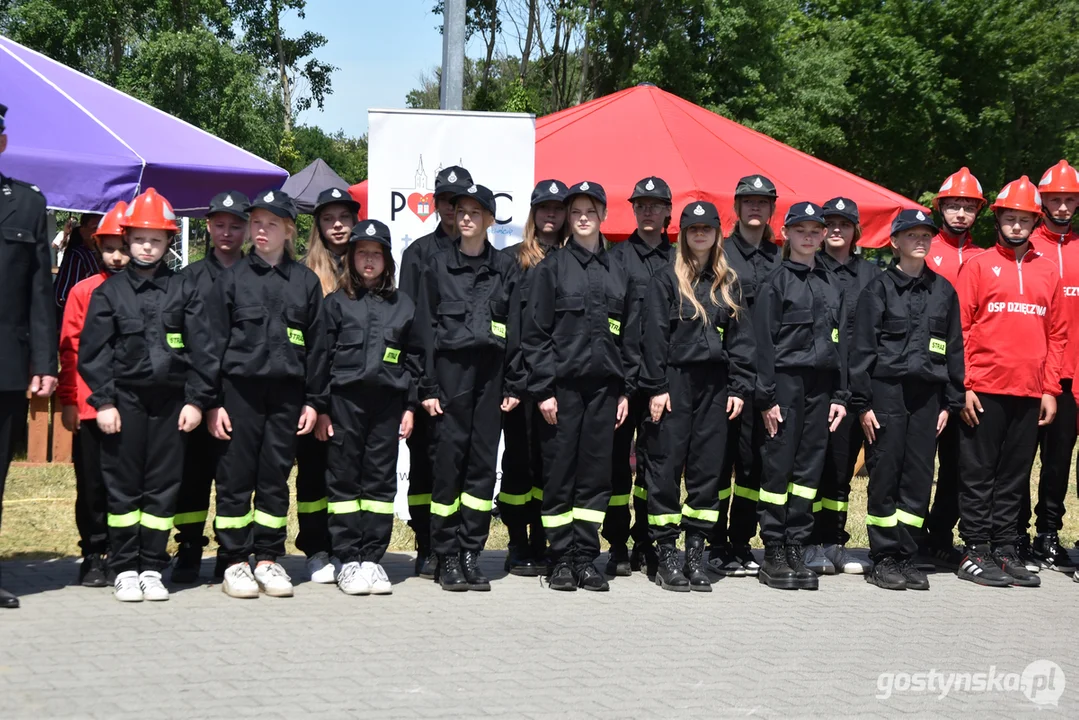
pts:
pixel 525 651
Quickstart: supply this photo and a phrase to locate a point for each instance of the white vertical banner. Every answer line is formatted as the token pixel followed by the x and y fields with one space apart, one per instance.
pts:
pixel 408 148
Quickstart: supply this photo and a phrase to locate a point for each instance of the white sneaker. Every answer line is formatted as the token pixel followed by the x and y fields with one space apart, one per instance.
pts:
pixel 380 581
pixel 239 582
pixel 152 587
pixel 321 568
pixel 846 561
pixel 352 580
pixel 273 580
pixel 127 587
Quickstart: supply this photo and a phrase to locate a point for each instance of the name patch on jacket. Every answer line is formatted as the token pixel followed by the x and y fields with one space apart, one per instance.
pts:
pixel 175 340
pixel 615 326
pixel 295 336
pixel 498 329
pixel 391 356
pixel 1016 307
pixel 938 346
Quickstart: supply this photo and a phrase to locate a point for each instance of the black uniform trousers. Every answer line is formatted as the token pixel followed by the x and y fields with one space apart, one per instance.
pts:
pixel 742 457
pixel 792 461
pixel 313 535
pixel 830 524
pixel 12 415
pixel 996 457
pixel 521 491
pixel 900 465
pixel 690 438
pixel 361 476
pixel 142 466
pixel 466 438
pixel 420 448
pixel 91 507
pixel 258 459
pixel 193 504
pixel 945 511
pixel 626 485
pixel 577 467
pixel 1056 442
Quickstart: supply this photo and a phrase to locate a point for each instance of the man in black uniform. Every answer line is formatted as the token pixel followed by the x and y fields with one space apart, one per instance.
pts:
pixel 28 322
pixel 448 184
pixel 642 255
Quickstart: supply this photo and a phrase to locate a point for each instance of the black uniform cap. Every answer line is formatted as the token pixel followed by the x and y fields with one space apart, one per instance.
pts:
pixel 592 189
pixel 371 230
pixel 843 207
pixel 651 187
pixel 755 185
pixel 701 212
pixel 3 112
pixel 231 202
pixel 547 190
pixel 277 202
pixel 480 194
pixel 803 211
pixel 335 196
pixel 453 179
pixel 907 219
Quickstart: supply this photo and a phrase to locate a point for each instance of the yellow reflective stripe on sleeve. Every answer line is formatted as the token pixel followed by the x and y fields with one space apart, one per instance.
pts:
pixel 705 515
pixel 175 340
pixel 125 520
pixel 668 519
pixel 938 346
pixel 537 493
pixel 379 507
pixel 392 355
pixel 619 500
pixel 498 329
pixel 719 330
pixel 511 499
pixel 836 505
pixel 640 493
pixel 818 506
pixel 295 336
pixel 191 518
pixel 748 493
pixel 312 506
pixel 724 493
pixel 835 335
pixel 801 491
pixel 553 521
pixel 889 521
pixel 222 522
pixel 773 498
pixel 265 519
pixel 445 510
pixel 474 503
pixel 908 518
pixel 344 507
pixel 594 516
pixel 154 522
pixel 421 499
pixel 615 326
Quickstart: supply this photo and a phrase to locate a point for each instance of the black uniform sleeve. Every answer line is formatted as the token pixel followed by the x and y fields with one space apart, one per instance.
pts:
pixel 203 359
pixel 741 346
pixel 423 330
pixel 515 380
pixel 631 343
pixel 315 340
pixel 655 337
pixel 331 313
pixel 413 360
pixel 536 340
pixel 862 357
pixel 411 270
pixel 767 313
pixel 847 300
pixel 96 361
pixel 43 335
pixel 955 394
pixel 219 311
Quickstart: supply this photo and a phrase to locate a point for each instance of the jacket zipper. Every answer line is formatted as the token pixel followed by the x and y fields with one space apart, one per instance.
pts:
pixel 1060 254
pixel 1019 264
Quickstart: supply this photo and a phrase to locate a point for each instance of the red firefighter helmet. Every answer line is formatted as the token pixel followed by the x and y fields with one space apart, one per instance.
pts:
pixel 1061 178
pixel 111 223
pixel 150 211
pixel 960 184
pixel 1019 194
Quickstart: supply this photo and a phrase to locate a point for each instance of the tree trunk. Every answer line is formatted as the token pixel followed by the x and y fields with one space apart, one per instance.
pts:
pixel 586 54
pixel 528 38
pixel 282 67
pixel 493 28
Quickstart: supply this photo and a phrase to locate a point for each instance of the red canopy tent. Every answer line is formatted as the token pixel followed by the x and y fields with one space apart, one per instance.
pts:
pixel 359 194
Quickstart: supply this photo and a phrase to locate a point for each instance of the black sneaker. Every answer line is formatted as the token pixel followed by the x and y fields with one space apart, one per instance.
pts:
pixel 449 572
pixel 886 574
pixel 185 569
pixel 562 578
pixel 978 566
pixel 519 562
pixel 1025 554
pixel 618 562
pixel 427 565
pixel 1010 562
pixel 916 579
pixel 588 577
pixel 776 572
pixel 945 557
pixel 669 575
pixel 470 568
pixel 744 554
pixel 721 561
pixel 693 568
pixel 1050 554
pixel 92 572
pixel 805 579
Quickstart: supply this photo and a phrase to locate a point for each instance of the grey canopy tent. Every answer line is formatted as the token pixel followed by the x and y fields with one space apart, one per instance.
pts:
pixel 305 185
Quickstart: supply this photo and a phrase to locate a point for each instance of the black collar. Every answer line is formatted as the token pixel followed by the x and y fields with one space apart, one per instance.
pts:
pixel 456 258
pixel 157 280
pixel 747 249
pixel 831 263
pixel 903 281
pixel 262 267
pixel 645 250
pixel 584 256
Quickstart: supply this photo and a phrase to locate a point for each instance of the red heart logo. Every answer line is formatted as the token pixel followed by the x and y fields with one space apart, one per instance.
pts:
pixel 421 205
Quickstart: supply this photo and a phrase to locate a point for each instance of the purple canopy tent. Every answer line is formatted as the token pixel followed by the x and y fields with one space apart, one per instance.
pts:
pixel 87 145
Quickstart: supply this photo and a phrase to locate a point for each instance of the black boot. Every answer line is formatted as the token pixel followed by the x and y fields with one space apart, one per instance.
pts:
pixel 426 564
pixel 618 561
pixel 916 579
pixel 589 578
pixel 470 565
pixel 562 577
pixel 694 567
pixel 805 578
pixel 1050 554
pixel 185 569
pixel 669 575
pixel 519 561
pixel 7 600
pixel 92 572
pixel 449 573
pixel 776 572
pixel 886 574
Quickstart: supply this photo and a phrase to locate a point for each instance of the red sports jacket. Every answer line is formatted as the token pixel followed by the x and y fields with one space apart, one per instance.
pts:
pixel 1064 251
pixel 71 389
pixel 946 255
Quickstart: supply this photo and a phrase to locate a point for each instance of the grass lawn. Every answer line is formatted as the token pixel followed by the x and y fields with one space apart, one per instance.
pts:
pixel 39 516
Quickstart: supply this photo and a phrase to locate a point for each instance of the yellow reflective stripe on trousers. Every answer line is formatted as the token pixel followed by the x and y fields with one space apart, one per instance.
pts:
pixel 154 522
pixel 835 505
pixel 619 500
pixel 705 515
pixel 801 491
pixel 223 522
pixel 344 507
pixel 818 506
pixel 422 499
pixel 474 503
pixel 640 492
pixel 191 518
pixel 553 521
pixel 593 516
pixel 125 520
pixel 890 521
pixel 747 493
pixel 511 499
pixel 265 519
pixel 773 498
pixel 908 518
pixel 724 493
pixel 312 506
pixel 537 494
pixel 669 519
pixel 445 510
pixel 379 507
